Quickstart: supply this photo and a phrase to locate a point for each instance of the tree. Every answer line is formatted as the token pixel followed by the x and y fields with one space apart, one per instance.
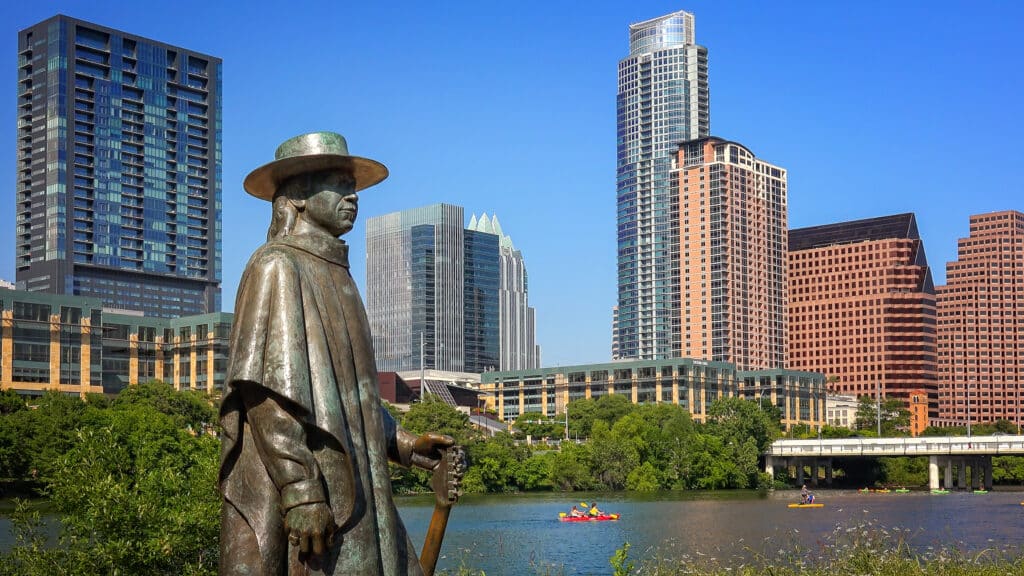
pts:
pixel 614 456
pixel 190 409
pixel 583 413
pixel 737 419
pixel 537 425
pixel 434 415
pixel 136 493
pixel 894 416
pixel 570 468
pixel 11 402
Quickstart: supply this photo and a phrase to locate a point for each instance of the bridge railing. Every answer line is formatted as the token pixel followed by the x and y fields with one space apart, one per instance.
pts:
pixel 995 445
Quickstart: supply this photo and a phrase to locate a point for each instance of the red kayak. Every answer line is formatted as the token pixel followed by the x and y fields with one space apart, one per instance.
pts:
pixel 601 518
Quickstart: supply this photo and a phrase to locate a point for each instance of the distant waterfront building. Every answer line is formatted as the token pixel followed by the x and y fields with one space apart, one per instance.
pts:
pixel 862 308
pixel 662 100
pixel 981 323
pixel 731 255
pixel 842 410
pixel 72 344
pixel 445 297
pixel 693 384
pixel 6 284
pixel 117 193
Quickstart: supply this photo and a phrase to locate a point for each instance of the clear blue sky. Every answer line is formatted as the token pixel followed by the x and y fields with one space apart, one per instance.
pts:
pixel 875 108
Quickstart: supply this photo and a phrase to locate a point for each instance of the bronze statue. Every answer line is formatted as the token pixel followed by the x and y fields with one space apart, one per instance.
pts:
pixel 304 463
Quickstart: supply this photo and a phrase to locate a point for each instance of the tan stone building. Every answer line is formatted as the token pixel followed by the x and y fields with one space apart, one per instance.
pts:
pixel 731 255
pixel 981 323
pixel 862 308
pixel 73 345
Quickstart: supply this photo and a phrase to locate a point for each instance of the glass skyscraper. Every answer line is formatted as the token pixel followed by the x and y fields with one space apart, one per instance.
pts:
pixel 662 101
pixel 431 291
pixel 118 187
pixel 517 319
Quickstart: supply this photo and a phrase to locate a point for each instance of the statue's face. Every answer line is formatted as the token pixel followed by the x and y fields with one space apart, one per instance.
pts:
pixel 332 204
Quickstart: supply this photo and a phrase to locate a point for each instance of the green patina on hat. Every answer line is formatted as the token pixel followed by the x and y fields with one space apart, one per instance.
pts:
pixel 312 152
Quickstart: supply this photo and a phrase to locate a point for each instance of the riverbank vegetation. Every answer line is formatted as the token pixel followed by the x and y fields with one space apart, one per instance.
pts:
pixel 864 548
pixel 133 477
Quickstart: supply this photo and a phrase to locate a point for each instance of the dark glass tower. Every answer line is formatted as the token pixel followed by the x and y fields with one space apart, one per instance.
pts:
pixel 432 291
pixel 118 187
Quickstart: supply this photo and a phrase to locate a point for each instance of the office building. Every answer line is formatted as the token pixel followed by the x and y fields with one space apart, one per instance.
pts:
pixel 117 193
pixel 731 255
pixel 981 323
pixel 432 294
pixel 862 308
pixel 517 321
pixel 693 384
pixel 662 100
pixel 74 345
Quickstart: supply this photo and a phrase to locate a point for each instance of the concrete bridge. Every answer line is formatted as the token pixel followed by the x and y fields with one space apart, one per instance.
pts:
pixel 948 453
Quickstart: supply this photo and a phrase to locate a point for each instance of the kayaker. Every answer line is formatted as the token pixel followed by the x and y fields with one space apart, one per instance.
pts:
pixel 594 510
pixel 575 513
pixel 804 494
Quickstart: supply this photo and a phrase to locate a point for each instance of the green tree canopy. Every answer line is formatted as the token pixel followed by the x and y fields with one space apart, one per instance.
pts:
pixel 894 416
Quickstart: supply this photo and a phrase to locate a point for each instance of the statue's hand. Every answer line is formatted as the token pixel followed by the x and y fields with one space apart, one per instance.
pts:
pixel 426 450
pixel 310 527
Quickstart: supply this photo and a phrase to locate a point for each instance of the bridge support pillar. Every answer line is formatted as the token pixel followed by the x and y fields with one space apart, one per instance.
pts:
pixel 828 472
pixel 988 472
pixel 799 471
pixel 933 472
pixel 961 473
pixel 814 471
pixel 949 473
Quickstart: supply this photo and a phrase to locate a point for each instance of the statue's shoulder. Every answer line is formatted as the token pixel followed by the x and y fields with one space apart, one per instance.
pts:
pixel 272 257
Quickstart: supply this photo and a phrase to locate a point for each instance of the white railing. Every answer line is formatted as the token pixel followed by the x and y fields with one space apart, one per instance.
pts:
pixel 993 445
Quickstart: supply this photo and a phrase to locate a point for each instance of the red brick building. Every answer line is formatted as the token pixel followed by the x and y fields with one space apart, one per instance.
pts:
pixel 981 316
pixel 862 308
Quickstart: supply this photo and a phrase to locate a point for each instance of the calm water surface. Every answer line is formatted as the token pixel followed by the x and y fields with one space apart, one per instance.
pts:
pixel 510 535
pixel 521 535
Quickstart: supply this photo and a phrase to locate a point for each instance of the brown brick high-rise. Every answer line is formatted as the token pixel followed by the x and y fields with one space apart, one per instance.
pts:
pixel 731 272
pixel 981 317
pixel 862 307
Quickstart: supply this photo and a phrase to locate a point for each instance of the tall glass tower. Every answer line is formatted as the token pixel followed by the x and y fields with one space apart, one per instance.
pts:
pixel 118 187
pixel 662 101
pixel 432 291
pixel 517 319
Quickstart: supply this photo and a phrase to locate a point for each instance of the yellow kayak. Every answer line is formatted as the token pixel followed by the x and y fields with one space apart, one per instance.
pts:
pixel 814 505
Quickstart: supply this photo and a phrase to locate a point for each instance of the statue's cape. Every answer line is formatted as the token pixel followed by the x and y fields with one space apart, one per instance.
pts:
pixel 300 331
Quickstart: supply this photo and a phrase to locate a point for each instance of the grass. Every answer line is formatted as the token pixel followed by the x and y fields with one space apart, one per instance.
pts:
pixel 865 549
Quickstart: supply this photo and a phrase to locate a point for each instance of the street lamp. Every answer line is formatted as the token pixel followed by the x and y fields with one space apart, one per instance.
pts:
pixel 878 406
pixel 967 395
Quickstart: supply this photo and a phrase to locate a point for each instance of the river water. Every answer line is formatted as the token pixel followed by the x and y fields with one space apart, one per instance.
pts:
pixel 521 534
pixel 512 535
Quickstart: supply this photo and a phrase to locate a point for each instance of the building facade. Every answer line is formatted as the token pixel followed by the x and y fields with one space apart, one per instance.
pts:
pixel 731 255
pixel 693 384
pixel 662 100
pixel 862 308
pixel 432 291
pixel 73 345
pixel 517 320
pixel 981 323
pixel 118 184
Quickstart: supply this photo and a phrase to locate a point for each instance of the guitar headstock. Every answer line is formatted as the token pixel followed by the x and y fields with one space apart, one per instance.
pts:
pixel 446 480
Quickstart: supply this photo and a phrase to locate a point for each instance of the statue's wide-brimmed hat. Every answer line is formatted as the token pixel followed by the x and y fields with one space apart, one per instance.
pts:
pixel 312 152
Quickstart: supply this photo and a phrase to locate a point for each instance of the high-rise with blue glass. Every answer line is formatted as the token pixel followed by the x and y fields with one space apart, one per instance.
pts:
pixel 438 293
pixel 118 187
pixel 662 101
